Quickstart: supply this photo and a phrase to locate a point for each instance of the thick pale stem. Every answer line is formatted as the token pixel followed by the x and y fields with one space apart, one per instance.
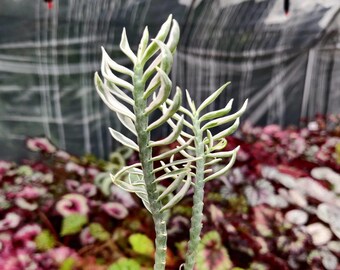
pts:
pixel 197 209
pixel 145 155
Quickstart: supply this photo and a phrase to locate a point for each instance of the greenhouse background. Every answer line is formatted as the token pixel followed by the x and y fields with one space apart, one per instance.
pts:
pixel 287 65
pixel 252 186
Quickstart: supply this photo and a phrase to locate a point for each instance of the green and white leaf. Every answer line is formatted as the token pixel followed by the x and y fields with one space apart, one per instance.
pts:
pixel 163 93
pixel 218 113
pixel 173 151
pixel 226 168
pixel 115 90
pixel 108 75
pixel 226 119
pixel 171 137
pixel 125 47
pixel 110 100
pixel 143 43
pixel 127 122
pixel 168 113
pixel 228 131
pixel 124 140
pixel 161 36
pixel 114 65
pixel 212 97
pixel 179 195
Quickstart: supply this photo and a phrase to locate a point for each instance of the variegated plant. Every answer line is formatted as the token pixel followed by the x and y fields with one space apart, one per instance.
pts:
pixel 206 149
pixel 134 101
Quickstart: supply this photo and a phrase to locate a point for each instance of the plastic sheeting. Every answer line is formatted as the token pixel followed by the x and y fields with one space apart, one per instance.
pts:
pixel 287 65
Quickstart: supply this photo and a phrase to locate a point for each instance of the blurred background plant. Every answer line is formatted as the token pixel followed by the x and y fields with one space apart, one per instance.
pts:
pixel 279 207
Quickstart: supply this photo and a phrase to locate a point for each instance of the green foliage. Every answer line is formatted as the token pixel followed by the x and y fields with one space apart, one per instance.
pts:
pixel 182 210
pixel 142 244
pixel 68 264
pixel 337 153
pixel 211 254
pixel 73 224
pixel 25 170
pixel 98 232
pixel 45 240
pixel 238 204
pixel 257 266
pixel 125 264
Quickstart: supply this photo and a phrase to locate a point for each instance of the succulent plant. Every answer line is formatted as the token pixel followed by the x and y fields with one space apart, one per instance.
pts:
pixel 134 101
pixel 133 105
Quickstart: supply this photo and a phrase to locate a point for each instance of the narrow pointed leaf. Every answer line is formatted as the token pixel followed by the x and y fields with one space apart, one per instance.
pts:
pixel 166 169
pixel 114 89
pixel 225 169
pixel 152 86
pixel 181 109
pixel 173 108
pixel 214 161
pixel 143 43
pixel 178 195
pixel 137 190
pixel 125 47
pixel 226 119
pixel 173 36
pixel 228 131
pixel 124 140
pixel 176 162
pixel 171 174
pixel 127 169
pixel 162 34
pixel 152 68
pixel 186 123
pixel 218 113
pixel 220 145
pixel 223 154
pixel 210 139
pixel 212 97
pixel 114 65
pixel 191 103
pixel 173 151
pixel 136 179
pixel 108 75
pixel 172 187
pixel 163 94
pixel 167 59
pixel 123 185
pixel 172 136
pixel 183 152
pixel 109 100
pixel 127 122
pixel 147 205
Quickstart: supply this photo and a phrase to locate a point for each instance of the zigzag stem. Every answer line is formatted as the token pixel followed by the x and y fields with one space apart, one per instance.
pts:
pixel 145 155
pixel 197 209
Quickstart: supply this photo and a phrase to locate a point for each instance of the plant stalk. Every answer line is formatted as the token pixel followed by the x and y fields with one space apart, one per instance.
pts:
pixel 197 209
pixel 145 155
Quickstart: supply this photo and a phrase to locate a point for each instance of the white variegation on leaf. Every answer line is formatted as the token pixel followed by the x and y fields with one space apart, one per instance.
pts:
pixel 217 113
pixel 212 97
pixel 124 140
pixel 223 120
pixel 114 65
pixel 125 47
